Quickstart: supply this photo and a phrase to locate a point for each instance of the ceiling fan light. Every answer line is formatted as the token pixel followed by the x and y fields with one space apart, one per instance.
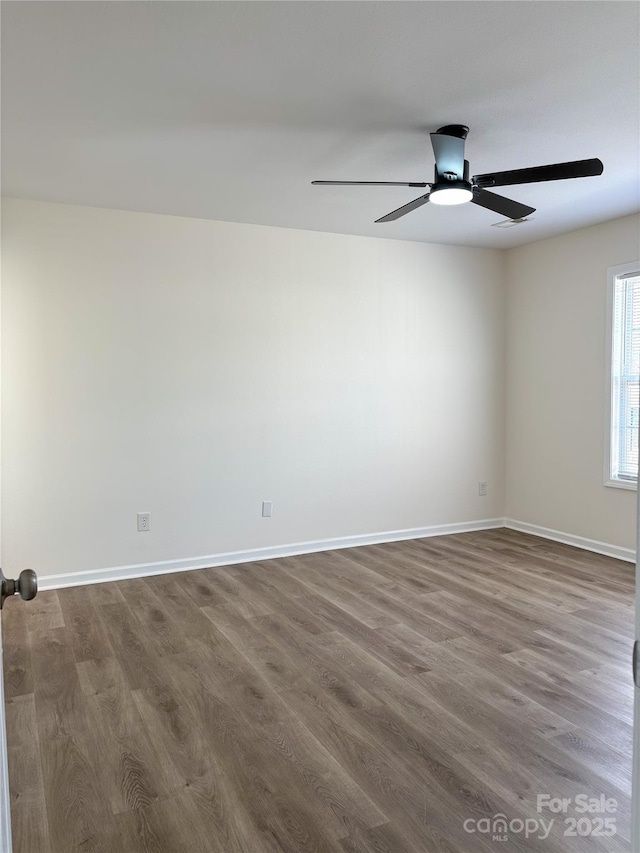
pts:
pixel 450 195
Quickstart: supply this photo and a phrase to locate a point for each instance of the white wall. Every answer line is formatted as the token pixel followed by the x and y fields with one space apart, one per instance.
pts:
pixel 556 320
pixel 192 368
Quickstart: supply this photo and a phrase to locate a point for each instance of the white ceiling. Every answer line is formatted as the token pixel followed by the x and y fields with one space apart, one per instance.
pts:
pixel 227 110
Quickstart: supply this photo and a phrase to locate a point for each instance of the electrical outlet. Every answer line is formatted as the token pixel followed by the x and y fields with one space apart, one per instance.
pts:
pixel 482 488
pixel 144 522
pixel 267 507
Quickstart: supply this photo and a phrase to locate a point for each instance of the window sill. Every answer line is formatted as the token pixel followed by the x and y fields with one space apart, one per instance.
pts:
pixel 629 485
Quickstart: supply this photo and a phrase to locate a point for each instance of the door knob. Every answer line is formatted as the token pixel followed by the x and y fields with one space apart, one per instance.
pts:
pixel 26 586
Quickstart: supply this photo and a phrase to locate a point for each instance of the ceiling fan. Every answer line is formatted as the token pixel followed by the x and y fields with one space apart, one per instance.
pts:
pixel 452 185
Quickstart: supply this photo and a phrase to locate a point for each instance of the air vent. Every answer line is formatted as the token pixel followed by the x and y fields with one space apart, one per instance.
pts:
pixel 509 223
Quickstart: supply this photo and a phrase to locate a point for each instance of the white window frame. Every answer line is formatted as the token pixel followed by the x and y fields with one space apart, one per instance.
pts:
pixel 610 428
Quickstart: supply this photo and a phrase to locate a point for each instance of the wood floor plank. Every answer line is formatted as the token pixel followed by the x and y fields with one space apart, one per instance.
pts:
pixel 18 677
pixel 351 602
pixel 607 763
pixel 400 694
pixel 44 612
pixel 125 759
pixel 77 813
pixel 367 699
pixel 58 694
pixel 104 593
pixel 345 803
pixel 129 644
pixel 270 795
pixel 547 691
pixel 160 828
pixel 84 631
pixel 161 631
pixel 381 839
pixel 28 801
pixel 613 700
pixel 191 617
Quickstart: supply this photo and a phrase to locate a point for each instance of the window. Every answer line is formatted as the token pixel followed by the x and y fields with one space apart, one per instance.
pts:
pixel 624 376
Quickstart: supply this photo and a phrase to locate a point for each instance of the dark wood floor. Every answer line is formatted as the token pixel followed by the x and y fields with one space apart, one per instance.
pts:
pixel 370 699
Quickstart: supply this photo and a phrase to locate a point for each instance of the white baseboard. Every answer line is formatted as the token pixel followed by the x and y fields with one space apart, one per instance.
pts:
pixel 605 548
pixel 254 554
pixel 251 555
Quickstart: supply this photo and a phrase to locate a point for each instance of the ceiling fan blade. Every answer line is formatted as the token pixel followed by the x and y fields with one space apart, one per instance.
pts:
pixel 554 172
pixel 449 154
pixel 369 184
pixel 406 208
pixel 500 204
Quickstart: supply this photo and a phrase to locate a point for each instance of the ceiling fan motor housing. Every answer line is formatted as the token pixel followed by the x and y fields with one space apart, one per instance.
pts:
pixel 452 185
pixel 458 130
pixel 452 180
pixel 451 174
